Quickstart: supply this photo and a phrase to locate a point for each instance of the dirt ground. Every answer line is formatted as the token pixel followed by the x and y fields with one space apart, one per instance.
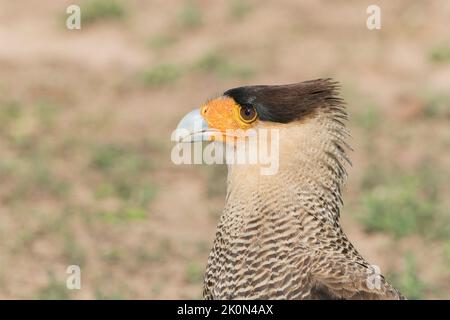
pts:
pixel 86 117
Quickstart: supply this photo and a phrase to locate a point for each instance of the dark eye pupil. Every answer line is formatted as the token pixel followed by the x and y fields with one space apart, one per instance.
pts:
pixel 248 113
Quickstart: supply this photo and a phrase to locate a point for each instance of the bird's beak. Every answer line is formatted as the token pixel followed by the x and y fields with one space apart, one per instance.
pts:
pixel 193 127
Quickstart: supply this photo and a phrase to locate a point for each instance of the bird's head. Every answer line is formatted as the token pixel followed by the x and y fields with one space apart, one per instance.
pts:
pixel 308 116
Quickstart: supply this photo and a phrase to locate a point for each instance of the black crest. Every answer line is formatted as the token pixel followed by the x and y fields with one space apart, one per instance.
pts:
pixel 286 103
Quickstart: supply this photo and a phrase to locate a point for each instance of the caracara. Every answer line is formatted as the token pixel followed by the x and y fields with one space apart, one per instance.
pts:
pixel 279 236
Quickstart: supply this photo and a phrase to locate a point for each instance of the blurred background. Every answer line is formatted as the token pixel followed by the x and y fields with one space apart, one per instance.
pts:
pixel 86 117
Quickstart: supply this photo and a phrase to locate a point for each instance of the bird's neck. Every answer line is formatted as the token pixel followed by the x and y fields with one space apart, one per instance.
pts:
pixel 308 182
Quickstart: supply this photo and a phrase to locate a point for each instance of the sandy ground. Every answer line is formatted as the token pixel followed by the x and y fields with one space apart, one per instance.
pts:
pixel 72 92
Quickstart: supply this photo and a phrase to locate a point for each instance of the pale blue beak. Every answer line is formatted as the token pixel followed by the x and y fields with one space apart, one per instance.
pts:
pixel 193 128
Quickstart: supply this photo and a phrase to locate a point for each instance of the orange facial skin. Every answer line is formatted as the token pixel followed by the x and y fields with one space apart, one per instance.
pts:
pixel 222 114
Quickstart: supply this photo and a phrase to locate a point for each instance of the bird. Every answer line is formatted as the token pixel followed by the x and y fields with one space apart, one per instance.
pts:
pixel 279 236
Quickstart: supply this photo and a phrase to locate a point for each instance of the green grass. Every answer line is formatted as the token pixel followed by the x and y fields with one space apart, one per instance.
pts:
pixel 112 255
pixel 121 172
pixel 212 63
pixel 20 122
pixel 73 252
pixel 119 160
pixel 368 116
pixel 157 288
pixel 239 9
pixel 437 105
pixel 96 10
pixel 101 294
pixel 402 204
pixel 440 54
pixel 152 257
pixel 46 112
pixel 126 214
pixel 162 74
pixel 9 112
pixel 106 157
pixel 194 273
pixel 190 15
pixel 395 209
pixel 162 41
pixel 130 190
pixel 408 281
pixel 222 67
pixel 158 255
pixel 373 176
pixel 53 290
pixel 32 177
pixel 104 190
pixel 23 239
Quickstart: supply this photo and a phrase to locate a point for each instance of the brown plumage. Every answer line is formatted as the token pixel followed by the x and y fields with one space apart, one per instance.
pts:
pixel 279 236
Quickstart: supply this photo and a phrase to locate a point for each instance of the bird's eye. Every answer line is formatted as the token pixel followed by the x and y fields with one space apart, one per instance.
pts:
pixel 248 114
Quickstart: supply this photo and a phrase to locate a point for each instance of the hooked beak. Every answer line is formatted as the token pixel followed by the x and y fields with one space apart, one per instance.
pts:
pixel 193 127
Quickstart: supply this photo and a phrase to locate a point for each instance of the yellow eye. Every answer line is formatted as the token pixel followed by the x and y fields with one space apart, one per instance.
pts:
pixel 248 114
